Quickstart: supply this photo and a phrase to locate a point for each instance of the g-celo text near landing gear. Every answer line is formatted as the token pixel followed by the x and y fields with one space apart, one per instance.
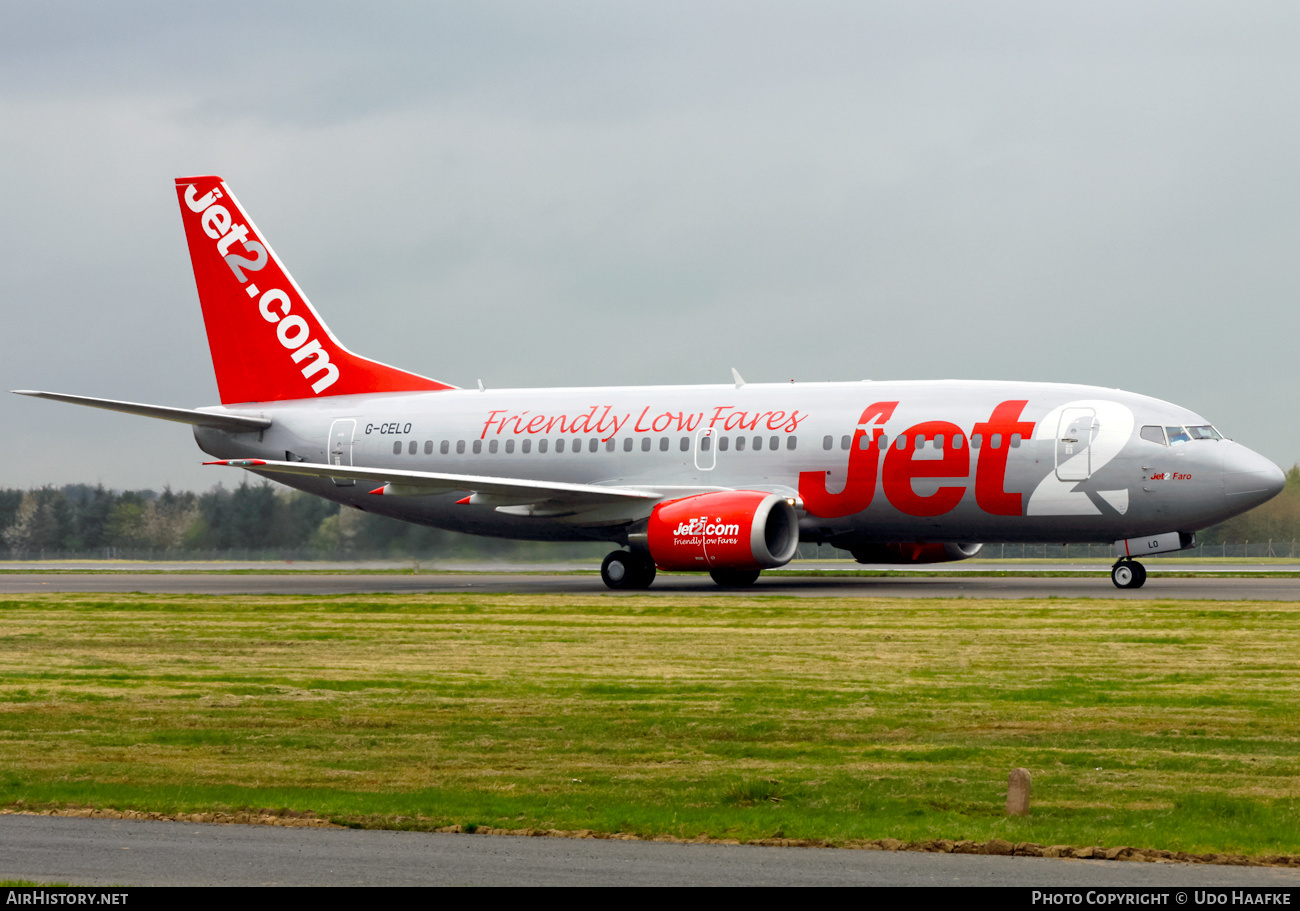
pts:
pixel 1128 574
pixel 624 570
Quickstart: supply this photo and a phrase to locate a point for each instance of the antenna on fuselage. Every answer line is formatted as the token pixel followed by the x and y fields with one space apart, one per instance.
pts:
pixel 480 386
pixel 740 380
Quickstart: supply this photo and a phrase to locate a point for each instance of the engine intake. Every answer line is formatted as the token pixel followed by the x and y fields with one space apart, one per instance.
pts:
pixel 726 530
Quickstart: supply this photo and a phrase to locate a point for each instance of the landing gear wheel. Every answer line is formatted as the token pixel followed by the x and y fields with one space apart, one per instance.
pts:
pixel 734 578
pixel 623 570
pixel 645 571
pixel 1128 574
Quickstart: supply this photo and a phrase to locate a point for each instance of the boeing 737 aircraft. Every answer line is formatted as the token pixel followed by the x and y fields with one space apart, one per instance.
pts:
pixel 724 479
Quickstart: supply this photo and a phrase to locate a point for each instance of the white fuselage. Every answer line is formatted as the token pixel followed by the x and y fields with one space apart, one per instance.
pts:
pixel 950 461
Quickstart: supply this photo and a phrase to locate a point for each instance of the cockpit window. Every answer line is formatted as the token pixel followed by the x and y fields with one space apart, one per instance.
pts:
pixel 1154 434
pixel 1178 435
pixel 1204 432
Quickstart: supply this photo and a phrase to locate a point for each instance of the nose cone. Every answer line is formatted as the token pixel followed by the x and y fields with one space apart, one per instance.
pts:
pixel 1250 479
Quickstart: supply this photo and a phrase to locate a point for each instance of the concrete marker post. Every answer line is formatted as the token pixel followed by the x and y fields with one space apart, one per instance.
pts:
pixel 1018 791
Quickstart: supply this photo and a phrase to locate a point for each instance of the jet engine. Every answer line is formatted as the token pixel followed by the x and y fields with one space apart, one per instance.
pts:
pixel 914 553
pixel 730 530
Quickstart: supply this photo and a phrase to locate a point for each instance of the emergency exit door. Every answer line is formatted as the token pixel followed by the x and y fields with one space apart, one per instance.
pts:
pixel 340 449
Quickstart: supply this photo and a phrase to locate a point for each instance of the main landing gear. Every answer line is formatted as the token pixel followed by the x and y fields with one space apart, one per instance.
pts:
pixel 734 578
pixel 1128 574
pixel 623 570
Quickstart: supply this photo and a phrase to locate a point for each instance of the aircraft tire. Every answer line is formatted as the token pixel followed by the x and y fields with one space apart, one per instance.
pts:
pixel 645 571
pixel 734 578
pixel 620 570
pixel 1128 574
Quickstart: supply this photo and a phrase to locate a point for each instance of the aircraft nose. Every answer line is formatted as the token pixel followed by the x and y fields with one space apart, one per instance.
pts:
pixel 1248 477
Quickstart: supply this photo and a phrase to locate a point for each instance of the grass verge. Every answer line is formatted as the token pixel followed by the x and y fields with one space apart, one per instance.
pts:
pixel 1153 724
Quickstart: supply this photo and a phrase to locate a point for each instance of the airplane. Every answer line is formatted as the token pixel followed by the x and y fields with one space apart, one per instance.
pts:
pixel 726 479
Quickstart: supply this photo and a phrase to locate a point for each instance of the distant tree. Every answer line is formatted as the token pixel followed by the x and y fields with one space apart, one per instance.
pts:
pixel 43 522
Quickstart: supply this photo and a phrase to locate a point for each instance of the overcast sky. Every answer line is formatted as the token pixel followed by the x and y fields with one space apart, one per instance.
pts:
pixel 541 193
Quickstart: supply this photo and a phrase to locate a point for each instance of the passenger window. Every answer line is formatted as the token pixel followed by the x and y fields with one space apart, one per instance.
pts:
pixel 460 447
pixel 864 442
pixel 559 445
pixel 938 441
pixel 645 444
pixel 758 443
pixel 845 441
pixel 428 447
pixel 1015 441
pixel 723 443
pixel 884 442
pixel 609 445
pixel 526 446
pixel 740 444
pixel 1177 435
pixel 958 441
pixel 541 444
pixel 919 442
pixel 900 441
pixel 627 444
pixel 995 441
pixel 444 446
pixel 685 444
pixel 663 444
pixel 478 446
pixel 791 442
pixel 492 446
pixel 577 445
pixel 706 443
pixel 774 443
pixel 828 442
pixel 510 446
pixel 593 444
pixel 397 447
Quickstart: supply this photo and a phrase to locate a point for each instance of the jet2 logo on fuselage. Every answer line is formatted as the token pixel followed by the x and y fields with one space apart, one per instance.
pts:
pixel 900 468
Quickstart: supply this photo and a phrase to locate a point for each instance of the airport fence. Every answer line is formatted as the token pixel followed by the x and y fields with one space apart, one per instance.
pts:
pixel 1239 550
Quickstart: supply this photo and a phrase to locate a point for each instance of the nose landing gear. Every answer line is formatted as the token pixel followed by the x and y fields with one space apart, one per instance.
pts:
pixel 1128 574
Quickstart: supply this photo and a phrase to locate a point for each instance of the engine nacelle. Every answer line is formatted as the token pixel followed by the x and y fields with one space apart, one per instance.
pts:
pixel 914 553
pixel 726 530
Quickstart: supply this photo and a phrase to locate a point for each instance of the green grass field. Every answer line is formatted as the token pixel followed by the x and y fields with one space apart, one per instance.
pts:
pixel 1152 724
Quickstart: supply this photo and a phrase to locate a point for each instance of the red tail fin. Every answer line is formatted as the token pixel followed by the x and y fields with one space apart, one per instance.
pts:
pixel 267 341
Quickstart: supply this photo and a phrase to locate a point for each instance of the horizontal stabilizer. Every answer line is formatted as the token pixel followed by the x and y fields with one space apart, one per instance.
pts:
pixel 231 423
pixel 436 482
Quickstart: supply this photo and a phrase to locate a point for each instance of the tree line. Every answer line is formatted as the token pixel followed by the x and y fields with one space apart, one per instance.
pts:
pixel 258 520
pixel 270 521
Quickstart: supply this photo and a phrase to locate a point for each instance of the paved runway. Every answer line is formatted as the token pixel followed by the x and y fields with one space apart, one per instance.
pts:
pixel 139 853
pixel 1265 587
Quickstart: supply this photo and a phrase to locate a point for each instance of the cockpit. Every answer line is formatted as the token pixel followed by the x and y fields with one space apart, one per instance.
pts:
pixel 1172 436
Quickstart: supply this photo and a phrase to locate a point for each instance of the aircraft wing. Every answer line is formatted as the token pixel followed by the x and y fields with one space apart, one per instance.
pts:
pixel 233 423
pixel 486 490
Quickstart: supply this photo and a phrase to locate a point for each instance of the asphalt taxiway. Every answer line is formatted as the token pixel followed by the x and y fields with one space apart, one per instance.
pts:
pixel 143 853
pixel 1266 586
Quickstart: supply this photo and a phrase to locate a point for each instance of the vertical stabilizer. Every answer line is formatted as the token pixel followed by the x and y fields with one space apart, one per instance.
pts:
pixel 267 341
